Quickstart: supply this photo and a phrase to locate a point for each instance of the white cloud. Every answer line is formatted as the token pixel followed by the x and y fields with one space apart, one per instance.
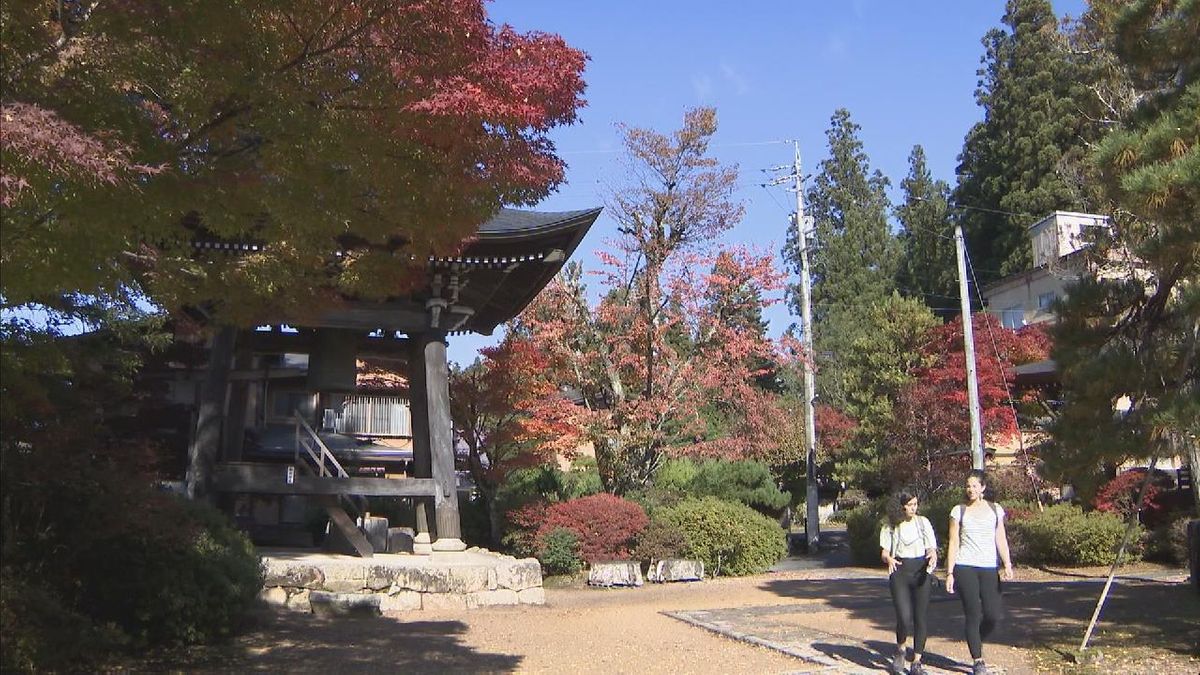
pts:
pixel 702 84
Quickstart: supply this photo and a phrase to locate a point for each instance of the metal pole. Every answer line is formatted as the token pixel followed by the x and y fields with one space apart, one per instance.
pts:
pixel 812 523
pixel 969 346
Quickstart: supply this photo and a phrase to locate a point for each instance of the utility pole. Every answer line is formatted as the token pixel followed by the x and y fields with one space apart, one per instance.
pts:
pixel 969 347
pixel 812 522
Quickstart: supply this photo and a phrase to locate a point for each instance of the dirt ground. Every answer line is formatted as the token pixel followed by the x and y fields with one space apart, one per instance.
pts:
pixel 1148 626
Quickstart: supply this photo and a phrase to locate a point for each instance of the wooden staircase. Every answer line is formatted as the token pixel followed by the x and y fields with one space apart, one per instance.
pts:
pixel 315 458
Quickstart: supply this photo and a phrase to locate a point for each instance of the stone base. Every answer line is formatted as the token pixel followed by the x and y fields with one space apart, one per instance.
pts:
pixel 616 573
pixel 334 585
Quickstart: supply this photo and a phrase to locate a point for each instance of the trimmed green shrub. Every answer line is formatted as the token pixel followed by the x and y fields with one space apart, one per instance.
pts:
pixel 862 529
pixel 1063 534
pixel 191 578
pixel 676 474
pixel 731 539
pixel 559 552
pixel 582 480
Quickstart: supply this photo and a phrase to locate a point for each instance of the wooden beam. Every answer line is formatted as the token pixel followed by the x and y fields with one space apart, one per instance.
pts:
pixel 277 342
pixel 262 478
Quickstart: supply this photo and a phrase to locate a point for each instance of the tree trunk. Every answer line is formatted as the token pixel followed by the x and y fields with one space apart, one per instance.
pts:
pixel 1191 450
pixel 494 520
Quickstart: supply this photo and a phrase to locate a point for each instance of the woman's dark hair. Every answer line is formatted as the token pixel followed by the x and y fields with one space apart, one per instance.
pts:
pixel 896 513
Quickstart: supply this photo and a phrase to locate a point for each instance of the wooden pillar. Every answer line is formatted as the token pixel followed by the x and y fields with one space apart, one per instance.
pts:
pixel 210 408
pixel 242 397
pixel 422 459
pixel 436 381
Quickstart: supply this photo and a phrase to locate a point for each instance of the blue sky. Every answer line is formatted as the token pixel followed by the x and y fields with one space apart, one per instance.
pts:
pixel 775 71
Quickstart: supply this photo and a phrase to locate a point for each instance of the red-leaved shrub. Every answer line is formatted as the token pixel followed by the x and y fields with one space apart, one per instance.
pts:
pixel 1119 496
pixel 607 525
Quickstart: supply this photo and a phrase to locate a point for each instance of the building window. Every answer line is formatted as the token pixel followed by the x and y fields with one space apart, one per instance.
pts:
pixel 1012 317
pixel 1046 299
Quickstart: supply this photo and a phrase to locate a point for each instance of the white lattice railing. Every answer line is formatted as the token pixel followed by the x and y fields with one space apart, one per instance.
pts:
pixel 374 416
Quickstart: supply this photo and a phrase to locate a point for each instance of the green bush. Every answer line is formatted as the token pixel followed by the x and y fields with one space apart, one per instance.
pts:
pixel 660 541
pixel 1063 534
pixel 38 634
pixel 936 507
pixel 862 529
pixel 731 539
pixel 748 482
pixel 582 480
pixel 1168 542
pixel 190 578
pixel 559 552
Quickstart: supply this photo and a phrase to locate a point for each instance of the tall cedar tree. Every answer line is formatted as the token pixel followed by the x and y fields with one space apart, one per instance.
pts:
pixel 854 262
pixel 876 366
pixel 382 130
pixel 509 414
pixel 1013 161
pixel 1133 332
pixel 655 352
pixel 927 269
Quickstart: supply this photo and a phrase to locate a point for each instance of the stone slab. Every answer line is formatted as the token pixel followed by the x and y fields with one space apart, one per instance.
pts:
pixel 445 580
pixel 325 604
pixel 615 573
pixel 676 570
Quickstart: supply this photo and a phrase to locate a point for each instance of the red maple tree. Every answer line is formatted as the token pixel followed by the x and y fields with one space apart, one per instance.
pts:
pixel 384 130
pixel 509 414
pixel 931 436
pixel 663 353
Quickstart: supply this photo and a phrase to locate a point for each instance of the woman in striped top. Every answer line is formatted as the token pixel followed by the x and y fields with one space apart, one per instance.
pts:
pixel 978 544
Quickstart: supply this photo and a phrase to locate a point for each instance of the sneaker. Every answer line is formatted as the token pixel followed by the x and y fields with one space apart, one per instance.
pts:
pixel 916 669
pixel 898 664
pixel 980 668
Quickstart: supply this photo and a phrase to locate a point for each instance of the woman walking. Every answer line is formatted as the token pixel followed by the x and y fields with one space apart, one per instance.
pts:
pixel 908 547
pixel 977 544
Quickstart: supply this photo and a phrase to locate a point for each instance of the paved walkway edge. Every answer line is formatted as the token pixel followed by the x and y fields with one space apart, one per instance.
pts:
pixel 811 656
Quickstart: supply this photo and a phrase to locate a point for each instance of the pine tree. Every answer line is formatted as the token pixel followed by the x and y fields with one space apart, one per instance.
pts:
pixel 927 267
pixel 1133 333
pixel 1009 172
pixel 854 262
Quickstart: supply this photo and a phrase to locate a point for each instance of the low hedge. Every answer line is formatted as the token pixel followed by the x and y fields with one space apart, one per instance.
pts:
pixel 862 529
pixel 559 552
pixel 1064 534
pixel 730 538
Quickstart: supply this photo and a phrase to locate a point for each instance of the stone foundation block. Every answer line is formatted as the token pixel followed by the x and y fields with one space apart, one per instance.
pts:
pixel 404 601
pixel 293 576
pixel 532 596
pixel 521 574
pixel 344 604
pixel 346 579
pixel 616 573
pixel 494 598
pixel 443 601
pixel 299 600
pixel 274 596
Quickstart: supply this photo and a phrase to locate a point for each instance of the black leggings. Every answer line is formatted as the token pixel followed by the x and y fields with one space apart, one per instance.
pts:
pixel 910 594
pixel 979 590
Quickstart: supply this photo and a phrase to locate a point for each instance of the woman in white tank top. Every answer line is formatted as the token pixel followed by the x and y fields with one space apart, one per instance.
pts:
pixel 978 544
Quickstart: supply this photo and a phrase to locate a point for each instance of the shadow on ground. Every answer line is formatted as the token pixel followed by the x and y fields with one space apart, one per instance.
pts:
pixel 1037 613
pixel 873 655
pixel 305 643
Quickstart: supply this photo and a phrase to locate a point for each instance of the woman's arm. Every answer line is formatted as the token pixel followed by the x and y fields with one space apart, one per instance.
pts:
pixel 885 547
pixel 1002 549
pixel 931 551
pixel 951 554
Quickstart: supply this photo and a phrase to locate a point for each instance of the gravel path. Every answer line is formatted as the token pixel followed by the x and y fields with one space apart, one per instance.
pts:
pixel 840 615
